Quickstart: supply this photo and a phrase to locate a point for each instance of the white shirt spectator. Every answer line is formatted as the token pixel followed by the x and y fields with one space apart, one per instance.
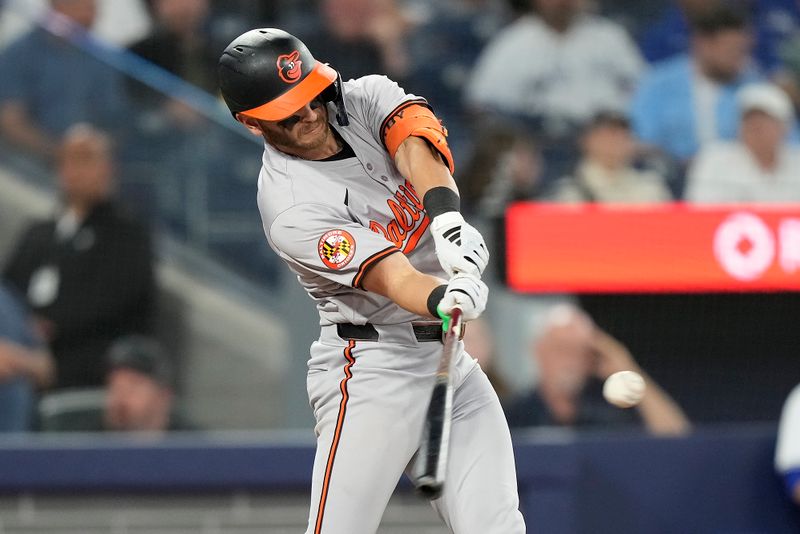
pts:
pixel 726 171
pixel 119 22
pixel 529 69
pixel 122 22
pixel 761 165
pixel 628 185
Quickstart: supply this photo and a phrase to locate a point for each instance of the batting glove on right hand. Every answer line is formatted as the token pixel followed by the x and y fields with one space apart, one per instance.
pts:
pixel 459 246
pixel 465 291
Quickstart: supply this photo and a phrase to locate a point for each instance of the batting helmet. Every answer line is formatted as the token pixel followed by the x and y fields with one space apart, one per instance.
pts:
pixel 269 74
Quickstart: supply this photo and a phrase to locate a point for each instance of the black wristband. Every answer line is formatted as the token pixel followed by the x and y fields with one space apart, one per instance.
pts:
pixel 434 298
pixel 440 200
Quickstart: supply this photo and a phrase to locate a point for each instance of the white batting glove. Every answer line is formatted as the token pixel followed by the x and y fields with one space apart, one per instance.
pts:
pixel 459 246
pixel 467 292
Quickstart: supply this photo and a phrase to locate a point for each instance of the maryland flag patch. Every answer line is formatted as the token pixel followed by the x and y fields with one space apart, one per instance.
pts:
pixel 336 248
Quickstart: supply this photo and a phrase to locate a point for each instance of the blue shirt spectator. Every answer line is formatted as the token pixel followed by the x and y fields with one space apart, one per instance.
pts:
pixel 664 109
pixel 49 85
pixel 690 99
pixel 773 22
pixel 17 391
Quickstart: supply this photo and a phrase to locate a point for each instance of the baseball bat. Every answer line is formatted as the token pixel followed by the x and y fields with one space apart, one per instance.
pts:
pixel 431 464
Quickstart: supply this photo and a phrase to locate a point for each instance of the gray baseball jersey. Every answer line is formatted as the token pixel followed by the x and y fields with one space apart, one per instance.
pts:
pixel 331 221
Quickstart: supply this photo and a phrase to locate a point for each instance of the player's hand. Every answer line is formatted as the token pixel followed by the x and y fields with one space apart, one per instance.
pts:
pixel 467 292
pixel 459 246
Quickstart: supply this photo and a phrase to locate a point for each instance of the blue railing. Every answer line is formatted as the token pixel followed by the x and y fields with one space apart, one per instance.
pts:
pixel 718 480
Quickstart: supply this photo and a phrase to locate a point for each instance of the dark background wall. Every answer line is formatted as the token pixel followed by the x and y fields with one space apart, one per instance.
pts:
pixel 724 357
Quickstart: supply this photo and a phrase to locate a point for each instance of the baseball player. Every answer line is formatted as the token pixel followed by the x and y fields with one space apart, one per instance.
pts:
pixel 356 196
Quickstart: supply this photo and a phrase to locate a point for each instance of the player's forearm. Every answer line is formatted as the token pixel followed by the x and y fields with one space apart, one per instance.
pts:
pixel 421 165
pixel 661 414
pixel 412 293
pixel 396 279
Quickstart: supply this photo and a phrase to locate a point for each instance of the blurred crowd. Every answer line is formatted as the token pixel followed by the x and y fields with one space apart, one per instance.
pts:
pixel 555 100
pixel 544 99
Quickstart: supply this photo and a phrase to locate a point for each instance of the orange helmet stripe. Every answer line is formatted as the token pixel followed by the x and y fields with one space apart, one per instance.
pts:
pixel 320 77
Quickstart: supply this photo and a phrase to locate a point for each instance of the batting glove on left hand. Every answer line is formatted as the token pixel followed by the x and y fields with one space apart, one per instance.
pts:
pixel 459 246
pixel 467 292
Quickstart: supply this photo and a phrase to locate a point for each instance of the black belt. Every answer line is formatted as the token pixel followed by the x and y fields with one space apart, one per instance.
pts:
pixel 367 332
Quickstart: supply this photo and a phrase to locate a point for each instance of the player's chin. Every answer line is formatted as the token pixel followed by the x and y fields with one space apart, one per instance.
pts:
pixel 314 138
pixel 315 133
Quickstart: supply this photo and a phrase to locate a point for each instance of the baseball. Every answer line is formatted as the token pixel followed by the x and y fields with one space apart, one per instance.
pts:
pixel 624 389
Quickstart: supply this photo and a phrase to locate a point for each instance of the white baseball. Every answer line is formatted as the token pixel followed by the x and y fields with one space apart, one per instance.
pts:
pixel 624 389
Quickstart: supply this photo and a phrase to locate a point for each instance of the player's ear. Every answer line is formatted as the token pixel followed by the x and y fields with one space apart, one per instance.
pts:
pixel 250 123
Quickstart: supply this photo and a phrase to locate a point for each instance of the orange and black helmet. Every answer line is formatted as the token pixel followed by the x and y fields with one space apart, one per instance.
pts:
pixel 269 74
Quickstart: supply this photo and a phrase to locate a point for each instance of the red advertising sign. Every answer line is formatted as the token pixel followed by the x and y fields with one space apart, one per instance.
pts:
pixel 663 248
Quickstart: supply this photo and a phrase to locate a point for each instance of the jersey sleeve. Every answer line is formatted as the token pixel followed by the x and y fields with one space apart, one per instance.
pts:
pixel 377 98
pixel 317 239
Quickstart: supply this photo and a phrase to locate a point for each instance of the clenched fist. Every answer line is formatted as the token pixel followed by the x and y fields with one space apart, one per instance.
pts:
pixel 465 291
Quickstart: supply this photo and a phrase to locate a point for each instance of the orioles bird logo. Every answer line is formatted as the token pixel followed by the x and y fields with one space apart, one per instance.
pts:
pixel 289 67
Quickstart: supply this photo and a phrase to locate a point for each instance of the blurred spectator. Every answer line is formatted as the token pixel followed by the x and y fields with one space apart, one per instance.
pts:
pixel 180 42
pixel 606 171
pixel 787 453
pixel 479 343
pixel 138 394
pixel 761 165
pixel 25 365
pixel 443 46
pixel 788 73
pixel 669 35
pixel 122 22
pixel 360 37
pixel 690 100
pixel 87 273
pixel 119 22
pixel 230 18
pixel 140 388
pixel 48 84
pixel 506 166
pixel 558 66
pixel 774 21
pixel 573 357
pixel 635 15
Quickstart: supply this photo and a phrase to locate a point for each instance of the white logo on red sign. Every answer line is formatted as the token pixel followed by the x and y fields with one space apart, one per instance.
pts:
pixel 744 246
pixel 336 248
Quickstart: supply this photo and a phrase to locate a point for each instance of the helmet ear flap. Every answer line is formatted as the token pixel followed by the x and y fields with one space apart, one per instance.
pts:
pixel 335 93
